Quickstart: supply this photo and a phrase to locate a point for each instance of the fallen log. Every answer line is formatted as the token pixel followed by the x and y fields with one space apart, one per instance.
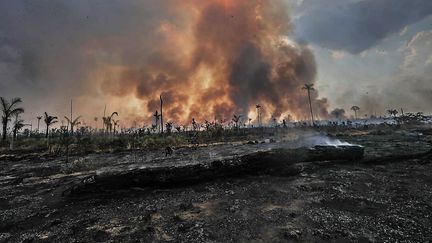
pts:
pixel 279 160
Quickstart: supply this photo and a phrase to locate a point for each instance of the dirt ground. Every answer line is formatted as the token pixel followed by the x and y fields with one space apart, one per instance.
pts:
pixel 386 197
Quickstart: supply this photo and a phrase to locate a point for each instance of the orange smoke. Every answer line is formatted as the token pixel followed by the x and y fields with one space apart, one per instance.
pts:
pixel 215 58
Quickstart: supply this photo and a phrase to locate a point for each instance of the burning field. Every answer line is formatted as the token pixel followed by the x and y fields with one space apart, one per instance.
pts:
pixel 215 121
pixel 286 188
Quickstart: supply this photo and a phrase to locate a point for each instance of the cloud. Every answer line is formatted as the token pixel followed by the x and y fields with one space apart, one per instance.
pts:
pixel 418 53
pixel 355 26
pixel 414 83
pixel 337 54
pixel 411 87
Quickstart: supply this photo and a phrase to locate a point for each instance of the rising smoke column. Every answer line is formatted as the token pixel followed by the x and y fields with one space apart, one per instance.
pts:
pixel 216 58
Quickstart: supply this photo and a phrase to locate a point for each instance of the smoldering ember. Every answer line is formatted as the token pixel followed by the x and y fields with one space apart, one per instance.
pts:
pixel 216 121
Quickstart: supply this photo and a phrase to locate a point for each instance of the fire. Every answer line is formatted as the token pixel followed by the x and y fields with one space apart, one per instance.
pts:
pixel 212 59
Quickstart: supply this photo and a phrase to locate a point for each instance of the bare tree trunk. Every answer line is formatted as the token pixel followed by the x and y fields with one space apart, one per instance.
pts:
pixel 161 115
pixel 310 106
pixel 4 131
pixel 67 153
pixel 47 138
pixel 103 121
pixel 12 140
pixel 71 124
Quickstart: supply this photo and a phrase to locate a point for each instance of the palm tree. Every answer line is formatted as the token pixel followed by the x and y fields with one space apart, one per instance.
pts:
pixel 103 119
pixel 236 119
pixel 153 127
pixel 105 124
pixel 157 117
pixel 355 109
pixel 207 125
pixel 9 109
pixel 194 124
pixel 309 88
pixel 49 120
pixel 115 124
pixel 108 121
pixel 96 120
pixel 73 123
pixel 38 118
pixel 18 124
pixel 258 107
pixel 392 112
pixel 161 115
pixel 111 119
pixel 169 126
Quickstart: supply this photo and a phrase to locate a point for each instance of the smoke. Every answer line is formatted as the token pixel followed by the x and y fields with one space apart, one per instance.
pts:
pixel 413 83
pixel 410 88
pixel 309 138
pixel 208 59
pixel 323 140
pixel 233 56
pixel 338 113
pixel 53 49
pixel 360 24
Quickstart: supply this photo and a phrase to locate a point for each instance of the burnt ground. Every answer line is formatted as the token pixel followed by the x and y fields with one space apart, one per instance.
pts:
pixel 385 197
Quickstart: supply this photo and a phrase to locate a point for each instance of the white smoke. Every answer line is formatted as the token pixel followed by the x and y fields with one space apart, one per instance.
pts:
pixel 324 141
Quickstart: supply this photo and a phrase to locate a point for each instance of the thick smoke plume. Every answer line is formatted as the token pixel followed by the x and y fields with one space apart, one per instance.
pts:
pixel 209 59
pixel 221 59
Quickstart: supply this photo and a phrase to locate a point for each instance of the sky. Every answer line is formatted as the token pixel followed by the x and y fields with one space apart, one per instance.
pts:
pixel 376 54
pixel 213 58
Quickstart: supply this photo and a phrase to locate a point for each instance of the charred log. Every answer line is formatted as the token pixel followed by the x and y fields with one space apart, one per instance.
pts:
pixel 278 161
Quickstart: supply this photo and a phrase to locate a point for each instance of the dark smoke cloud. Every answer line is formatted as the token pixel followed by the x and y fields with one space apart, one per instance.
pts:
pixel 127 53
pixel 250 75
pixel 356 26
pixel 49 48
pixel 240 46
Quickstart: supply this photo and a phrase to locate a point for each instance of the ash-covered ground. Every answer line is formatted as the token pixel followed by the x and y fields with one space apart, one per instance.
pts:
pixel 387 196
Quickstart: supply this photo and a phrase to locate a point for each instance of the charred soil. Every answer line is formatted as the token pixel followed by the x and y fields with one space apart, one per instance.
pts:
pixel 384 197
